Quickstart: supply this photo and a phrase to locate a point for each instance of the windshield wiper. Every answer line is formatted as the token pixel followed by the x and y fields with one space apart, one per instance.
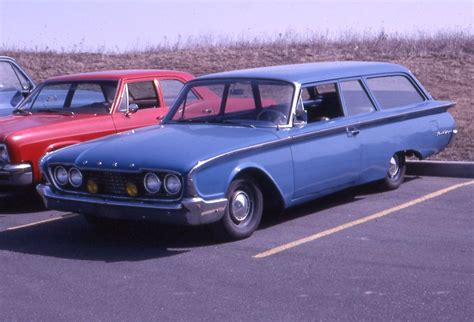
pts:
pixel 189 121
pixel 21 111
pixel 237 123
pixel 51 110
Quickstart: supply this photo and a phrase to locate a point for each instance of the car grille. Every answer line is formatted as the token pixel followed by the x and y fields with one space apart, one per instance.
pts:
pixel 113 183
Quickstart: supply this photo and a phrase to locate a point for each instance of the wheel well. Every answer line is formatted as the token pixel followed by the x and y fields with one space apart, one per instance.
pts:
pixel 412 153
pixel 272 199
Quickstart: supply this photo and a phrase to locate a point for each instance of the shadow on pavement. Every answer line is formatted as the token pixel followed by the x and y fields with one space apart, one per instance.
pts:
pixel 336 199
pixel 73 238
pixel 20 203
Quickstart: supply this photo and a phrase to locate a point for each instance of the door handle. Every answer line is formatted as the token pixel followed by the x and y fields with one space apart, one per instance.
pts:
pixel 352 131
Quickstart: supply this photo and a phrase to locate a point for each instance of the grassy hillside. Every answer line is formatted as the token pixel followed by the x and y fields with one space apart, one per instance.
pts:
pixel 444 63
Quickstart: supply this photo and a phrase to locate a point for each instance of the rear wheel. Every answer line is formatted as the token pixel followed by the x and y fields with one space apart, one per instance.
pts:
pixel 243 212
pixel 395 172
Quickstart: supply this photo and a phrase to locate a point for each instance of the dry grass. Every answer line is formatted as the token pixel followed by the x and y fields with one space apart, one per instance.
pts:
pixel 443 63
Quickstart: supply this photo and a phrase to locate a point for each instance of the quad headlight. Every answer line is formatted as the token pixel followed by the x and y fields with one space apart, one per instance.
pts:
pixel 172 184
pixel 61 175
pixel 4 158
pixel 75 177
pixel 152 182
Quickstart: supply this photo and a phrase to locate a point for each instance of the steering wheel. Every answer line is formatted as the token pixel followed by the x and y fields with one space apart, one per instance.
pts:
pixel 274 116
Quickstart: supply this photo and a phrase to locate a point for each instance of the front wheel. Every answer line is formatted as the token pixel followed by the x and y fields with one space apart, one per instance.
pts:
pixel 395 172
pixel 244 210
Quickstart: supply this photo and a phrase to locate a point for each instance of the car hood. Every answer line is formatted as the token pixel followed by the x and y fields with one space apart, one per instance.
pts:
pixel 176 147
pixel 15 124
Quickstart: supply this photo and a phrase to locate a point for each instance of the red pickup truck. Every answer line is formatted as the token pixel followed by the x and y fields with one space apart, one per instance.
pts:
pixel 66 110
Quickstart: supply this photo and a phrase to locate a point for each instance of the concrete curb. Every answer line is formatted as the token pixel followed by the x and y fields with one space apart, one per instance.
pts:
pixel 457 169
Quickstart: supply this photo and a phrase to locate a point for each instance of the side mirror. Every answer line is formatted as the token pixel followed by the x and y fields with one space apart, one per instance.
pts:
pixel 26 90
pixel 132 108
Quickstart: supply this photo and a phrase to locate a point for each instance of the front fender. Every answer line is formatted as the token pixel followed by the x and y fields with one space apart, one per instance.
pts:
pixel 212 180
pixel 59 145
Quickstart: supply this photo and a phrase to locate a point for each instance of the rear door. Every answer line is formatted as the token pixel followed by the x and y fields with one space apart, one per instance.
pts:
pixel 144 94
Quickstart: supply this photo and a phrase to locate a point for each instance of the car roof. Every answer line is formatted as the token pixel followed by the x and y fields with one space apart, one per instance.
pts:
pixel 312 72
pixel 7 58
pixel 120 74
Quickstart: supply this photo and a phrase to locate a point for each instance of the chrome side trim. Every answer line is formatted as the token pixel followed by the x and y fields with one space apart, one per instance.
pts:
pixel 453 136
pixel 326 131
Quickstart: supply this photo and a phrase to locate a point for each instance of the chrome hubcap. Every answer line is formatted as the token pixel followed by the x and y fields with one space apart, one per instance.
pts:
pixel 240 206
pixel 394 167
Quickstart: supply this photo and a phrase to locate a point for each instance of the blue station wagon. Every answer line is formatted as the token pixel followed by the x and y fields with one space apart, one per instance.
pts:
pixel 238 143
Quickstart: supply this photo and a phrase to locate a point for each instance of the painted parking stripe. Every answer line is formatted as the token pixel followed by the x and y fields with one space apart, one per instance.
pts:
pixel 42 222
pixel 363 220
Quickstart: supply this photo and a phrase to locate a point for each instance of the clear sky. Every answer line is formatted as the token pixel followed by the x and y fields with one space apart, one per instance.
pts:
pixel 127 25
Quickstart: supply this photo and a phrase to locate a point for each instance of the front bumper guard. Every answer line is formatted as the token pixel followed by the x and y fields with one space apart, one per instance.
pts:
pixel 16 174
pixel 190 211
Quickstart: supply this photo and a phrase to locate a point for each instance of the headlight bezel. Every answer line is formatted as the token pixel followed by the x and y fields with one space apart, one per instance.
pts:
pixel 3 147
pixel 174 176
pixel 75 185
pixel 55 175
pixel 146 185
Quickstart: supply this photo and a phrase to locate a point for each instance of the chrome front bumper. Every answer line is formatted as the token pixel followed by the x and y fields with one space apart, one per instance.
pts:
pixel 16 174
pixel 190 211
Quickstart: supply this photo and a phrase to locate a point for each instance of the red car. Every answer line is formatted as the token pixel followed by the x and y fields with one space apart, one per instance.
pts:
pixel 70 109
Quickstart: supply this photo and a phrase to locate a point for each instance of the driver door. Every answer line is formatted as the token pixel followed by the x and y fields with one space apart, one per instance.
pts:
pixel 326 157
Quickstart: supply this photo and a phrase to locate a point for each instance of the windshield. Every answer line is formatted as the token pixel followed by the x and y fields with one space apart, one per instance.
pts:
pixel 90 97
pixel 239 102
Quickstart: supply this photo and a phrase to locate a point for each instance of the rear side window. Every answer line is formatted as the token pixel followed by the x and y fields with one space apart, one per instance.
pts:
pixel 170 89
pixel 356 99
pixel 394 91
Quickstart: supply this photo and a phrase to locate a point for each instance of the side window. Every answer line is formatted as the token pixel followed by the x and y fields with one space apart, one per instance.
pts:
pixel 170 89
pixel 321 102
pixel 143 94
pixel 356 99
pixel 8 79
pixel 393 91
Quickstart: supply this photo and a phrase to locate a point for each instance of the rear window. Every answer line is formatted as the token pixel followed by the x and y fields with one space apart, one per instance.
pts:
pixel 394 91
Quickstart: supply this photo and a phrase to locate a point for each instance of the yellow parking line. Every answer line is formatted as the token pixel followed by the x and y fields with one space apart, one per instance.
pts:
pixel 363 220
pixel 42 222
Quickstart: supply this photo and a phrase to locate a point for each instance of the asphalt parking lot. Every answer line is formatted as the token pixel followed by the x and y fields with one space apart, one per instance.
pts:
pixel 356 255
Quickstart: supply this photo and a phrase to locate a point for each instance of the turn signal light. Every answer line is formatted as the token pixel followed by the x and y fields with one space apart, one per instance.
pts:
pixel 92 186
pixel 132 189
